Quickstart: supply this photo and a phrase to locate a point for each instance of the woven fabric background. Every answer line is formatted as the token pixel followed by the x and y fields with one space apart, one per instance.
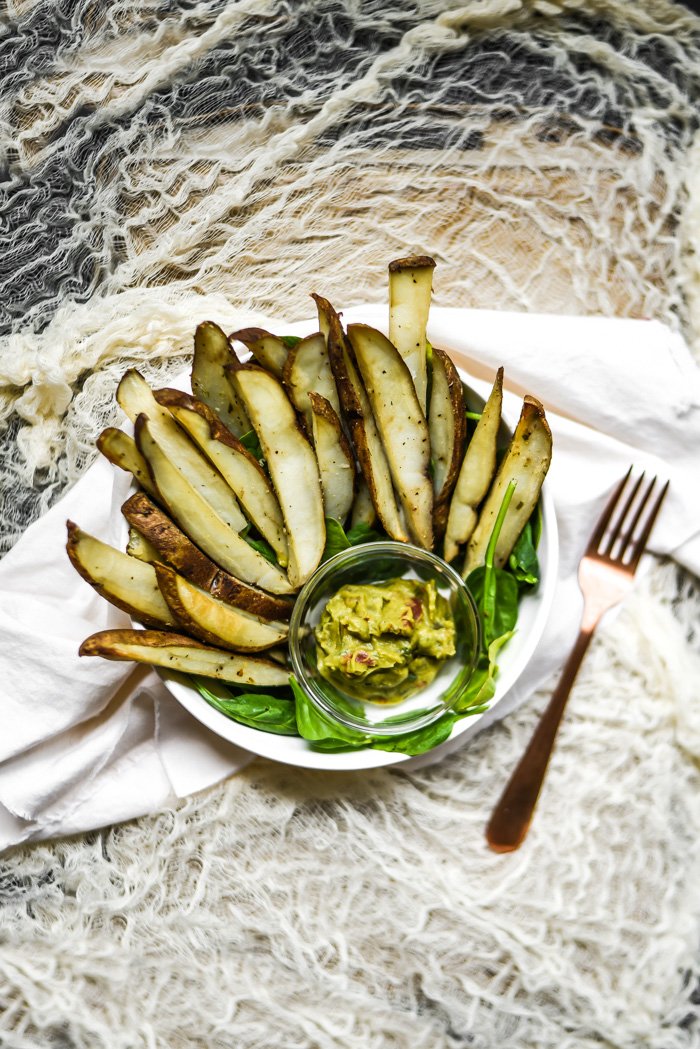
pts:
pixel 253 151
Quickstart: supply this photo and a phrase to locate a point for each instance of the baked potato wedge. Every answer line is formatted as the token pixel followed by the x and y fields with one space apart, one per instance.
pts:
pixel 241 470
pixel 267 349
pixel 401 424
pixel 136 398
pixel 121 450
pixel 209 381
pixel 292 465
pixel 213 621
pixel 526 462
pixel 183 654
pixel 335 459
pixel 307 369
pixel 124 581
pixel 166 543
pixel 362 426
pixel 476 473
pixel 138 546
pixel 410 292
pixel 363 511
pixel 448 434
pixel 201 523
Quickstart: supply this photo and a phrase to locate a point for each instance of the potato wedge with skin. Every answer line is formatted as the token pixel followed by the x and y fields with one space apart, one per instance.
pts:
pixel 292 465
pixel 121 450
pixel 172 547
pixel 210 384
pixel 362 426
pixel 124 581
pixel 139 547
pixel 410 292
pixel 241 471
pixel 401 424
pixel 213 621
pixel 526 462
pixel 448 434
pixel 476 473
pixel 363 511
pixel 137 398
pixel 268 349
pixel 308 370
pixel 335 459
pixel 199 521
pixel 186 656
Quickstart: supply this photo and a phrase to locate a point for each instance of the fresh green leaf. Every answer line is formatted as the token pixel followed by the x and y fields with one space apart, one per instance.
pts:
pixel 523 562
pixel 257 710
pixel 482 684
pixel 262 547
pixel 487 583
pixel 421 740
pixel 337 539
pixel 536 522
pixel 325 733
pixel 314 726
pixel 363 533
pixel 251 443
pixel 501 614
pixel 290 341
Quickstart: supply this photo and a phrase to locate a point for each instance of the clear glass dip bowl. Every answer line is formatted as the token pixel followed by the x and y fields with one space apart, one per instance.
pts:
pixel 375 563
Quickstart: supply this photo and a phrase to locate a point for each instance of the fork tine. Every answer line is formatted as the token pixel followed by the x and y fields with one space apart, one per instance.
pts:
pixel 604 518
pixel 615 532
pixel 626 539
pixel 641 542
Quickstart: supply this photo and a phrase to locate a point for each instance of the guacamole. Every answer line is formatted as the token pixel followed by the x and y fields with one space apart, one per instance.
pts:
pixel 385 641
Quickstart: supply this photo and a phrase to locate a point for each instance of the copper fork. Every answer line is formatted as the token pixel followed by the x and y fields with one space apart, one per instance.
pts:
pixel 605 575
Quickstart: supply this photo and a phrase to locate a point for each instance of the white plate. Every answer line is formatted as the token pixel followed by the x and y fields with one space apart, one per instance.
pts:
pixel 291 750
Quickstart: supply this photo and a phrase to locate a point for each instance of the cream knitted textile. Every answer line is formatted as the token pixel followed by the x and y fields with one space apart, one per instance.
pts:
pixel 165 162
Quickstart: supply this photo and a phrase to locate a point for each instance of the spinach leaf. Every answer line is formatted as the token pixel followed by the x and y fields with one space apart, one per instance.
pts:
pixel 316 727
pixel 257 710
pixel 338 539
pixel 421 740
pixel 536 522
pixel 523 562
pixel 251 443
pixel 290 340
pixel 324 733
pixel 259 544
pixel 482 684
pixel 501 614
pixel 363 533
pixel 494 590
pixel 263 548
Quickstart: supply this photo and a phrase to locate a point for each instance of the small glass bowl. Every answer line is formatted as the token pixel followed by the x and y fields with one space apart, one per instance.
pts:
pixel 374 563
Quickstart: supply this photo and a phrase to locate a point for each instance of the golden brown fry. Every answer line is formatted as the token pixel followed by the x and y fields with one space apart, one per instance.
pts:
pixel 448 433
pixel 362 426
pixel 124 581
pixel 209 382
pixel 476 473
pixel 526 462
pixel 241 471
pixel 214 621
pixel 401 424
pixel 179 653
pixel 174 548
pixel 199 521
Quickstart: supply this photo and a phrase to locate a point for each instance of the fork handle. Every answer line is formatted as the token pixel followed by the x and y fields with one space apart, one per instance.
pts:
pixel 511 818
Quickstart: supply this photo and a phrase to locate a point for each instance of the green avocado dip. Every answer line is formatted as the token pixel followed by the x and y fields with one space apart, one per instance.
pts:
pixel 385 641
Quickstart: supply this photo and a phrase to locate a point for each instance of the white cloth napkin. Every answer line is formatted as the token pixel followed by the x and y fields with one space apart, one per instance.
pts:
pixel 86 742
